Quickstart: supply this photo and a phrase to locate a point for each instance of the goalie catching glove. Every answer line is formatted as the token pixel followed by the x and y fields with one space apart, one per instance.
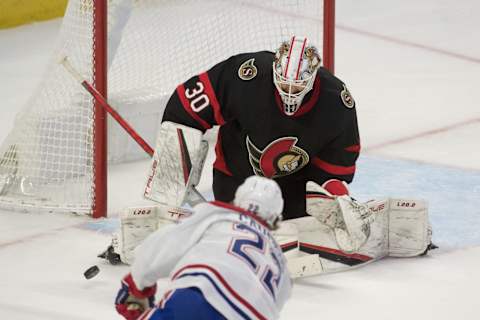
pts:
pixel 332 206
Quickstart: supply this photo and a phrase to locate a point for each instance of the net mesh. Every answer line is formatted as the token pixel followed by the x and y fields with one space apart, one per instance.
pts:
pixel 47 160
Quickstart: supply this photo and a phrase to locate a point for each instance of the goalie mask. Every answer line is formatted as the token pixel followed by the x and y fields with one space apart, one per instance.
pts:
pixel 261 196
pixel 294 71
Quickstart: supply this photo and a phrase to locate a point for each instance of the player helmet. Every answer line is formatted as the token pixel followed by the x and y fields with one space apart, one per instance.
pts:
pixel 263 197
pixel 294 71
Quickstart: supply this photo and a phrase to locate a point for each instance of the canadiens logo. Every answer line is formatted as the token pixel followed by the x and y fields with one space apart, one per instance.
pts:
pixel 280 158
pixel 247 70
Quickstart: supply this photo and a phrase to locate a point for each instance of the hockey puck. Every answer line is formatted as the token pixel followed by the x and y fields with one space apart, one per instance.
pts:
pixel 91 272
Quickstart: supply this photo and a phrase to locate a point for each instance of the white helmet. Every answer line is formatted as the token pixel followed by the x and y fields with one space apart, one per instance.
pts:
pixel 294 71
pixel 261 196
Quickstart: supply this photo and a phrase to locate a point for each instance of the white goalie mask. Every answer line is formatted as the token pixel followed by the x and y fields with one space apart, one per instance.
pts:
pixel 294 71
pixel 261 196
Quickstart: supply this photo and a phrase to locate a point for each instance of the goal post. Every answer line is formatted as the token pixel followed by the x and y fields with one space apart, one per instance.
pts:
pixel 329 35
pixel 100 148
pixel 56 156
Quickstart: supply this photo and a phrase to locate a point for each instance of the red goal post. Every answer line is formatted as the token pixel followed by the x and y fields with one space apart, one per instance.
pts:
pixel 56 157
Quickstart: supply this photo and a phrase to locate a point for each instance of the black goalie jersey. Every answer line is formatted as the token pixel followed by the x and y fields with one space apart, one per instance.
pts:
pixel 319 142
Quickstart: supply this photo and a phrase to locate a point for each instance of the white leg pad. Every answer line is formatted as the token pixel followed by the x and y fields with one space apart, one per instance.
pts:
pixel 138 222
pixel 409 230
pixel 400 229
pixel 287 237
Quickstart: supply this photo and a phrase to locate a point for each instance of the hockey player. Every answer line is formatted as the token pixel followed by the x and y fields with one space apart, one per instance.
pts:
pixel 222 261
pixel 281 115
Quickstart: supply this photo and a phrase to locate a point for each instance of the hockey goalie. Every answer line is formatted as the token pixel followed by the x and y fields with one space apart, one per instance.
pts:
pixel 282 116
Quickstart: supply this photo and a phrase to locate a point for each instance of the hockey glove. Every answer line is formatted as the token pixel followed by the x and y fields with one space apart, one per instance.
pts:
pixel 131 302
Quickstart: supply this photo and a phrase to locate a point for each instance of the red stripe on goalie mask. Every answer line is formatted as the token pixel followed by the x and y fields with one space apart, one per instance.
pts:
pixel 295 58
pixel 186 161
pixel 301 58
pixel 289 55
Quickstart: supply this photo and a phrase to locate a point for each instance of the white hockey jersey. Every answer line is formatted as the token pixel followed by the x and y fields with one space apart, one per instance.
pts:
pixel 225 252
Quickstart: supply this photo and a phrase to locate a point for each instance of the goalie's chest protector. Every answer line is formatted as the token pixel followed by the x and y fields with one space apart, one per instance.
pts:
pixel 261 137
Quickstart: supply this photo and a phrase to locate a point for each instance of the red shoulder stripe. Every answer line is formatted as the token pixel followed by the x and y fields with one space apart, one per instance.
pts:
pixel 213 98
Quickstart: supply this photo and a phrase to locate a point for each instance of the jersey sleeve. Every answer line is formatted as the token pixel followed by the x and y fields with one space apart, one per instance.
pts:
pixel 338 159
pixel 200 102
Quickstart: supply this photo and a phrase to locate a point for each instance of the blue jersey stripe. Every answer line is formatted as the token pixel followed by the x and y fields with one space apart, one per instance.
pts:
pixel 231 303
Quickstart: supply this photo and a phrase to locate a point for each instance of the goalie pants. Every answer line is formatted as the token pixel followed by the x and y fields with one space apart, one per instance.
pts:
pixel 186 304
pixel 293 191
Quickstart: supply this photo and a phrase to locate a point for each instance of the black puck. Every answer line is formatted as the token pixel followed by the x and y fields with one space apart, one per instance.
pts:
pixel 91 272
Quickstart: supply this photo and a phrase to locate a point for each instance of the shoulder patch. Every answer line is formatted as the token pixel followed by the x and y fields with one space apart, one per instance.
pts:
pixel 248 70
pixel 347 98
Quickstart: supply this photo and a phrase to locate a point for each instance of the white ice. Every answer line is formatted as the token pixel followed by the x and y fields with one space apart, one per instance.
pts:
pixel 413 68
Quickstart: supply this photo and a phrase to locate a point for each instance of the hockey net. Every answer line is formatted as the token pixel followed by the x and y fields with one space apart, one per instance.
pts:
pixel 48 160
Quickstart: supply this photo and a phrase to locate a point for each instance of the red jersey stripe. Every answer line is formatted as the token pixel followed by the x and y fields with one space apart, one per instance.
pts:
pixel 213 98
pixel 220 163
pixel 332 168
pixel 353 148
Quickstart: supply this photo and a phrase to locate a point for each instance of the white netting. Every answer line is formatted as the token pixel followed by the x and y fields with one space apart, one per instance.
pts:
pixel 47 160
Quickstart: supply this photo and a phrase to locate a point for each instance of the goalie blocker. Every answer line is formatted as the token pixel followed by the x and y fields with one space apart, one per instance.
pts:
pixel 177 165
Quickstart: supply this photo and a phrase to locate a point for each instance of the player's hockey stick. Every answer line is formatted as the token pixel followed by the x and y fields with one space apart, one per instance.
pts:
pixel 120 120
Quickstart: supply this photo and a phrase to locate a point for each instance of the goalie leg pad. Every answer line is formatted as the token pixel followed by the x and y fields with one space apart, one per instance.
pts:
pixel 409 230
pixel 137 223
pixel 319 252
pixel 176 164
pixel 287 237
pixel 400 229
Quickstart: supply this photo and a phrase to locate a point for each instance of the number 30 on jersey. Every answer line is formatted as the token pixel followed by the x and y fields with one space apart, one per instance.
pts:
pixel 197 97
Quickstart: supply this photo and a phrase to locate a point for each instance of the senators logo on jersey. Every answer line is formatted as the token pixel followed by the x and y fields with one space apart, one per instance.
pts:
pixel 280 158
pixel 248 70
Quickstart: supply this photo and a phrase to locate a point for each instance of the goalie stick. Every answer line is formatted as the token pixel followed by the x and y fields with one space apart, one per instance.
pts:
pixel 198 197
